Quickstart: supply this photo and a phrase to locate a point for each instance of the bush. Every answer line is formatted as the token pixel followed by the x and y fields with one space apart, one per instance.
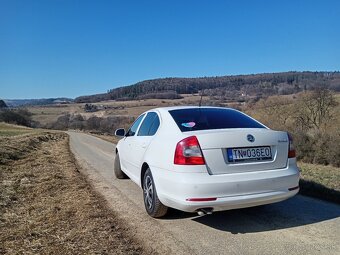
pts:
pixel 312 119
pixel 319 148
pixel 19 117
pixel 333 150
pixel 62 122
pixel 93 124
pixel 2 104
pixel 304 146
pixel 77 122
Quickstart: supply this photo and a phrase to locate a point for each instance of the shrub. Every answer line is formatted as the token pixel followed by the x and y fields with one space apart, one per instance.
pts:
pixel 62 122
pixel 17 116
pixel 93 124
pixel 2 104
pixel 333 150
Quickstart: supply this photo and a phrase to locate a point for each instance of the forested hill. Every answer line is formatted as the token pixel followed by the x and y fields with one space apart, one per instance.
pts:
pixel 226 86
pixel 42 101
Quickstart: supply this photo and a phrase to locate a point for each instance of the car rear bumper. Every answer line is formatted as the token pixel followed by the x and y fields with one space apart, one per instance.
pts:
pixel 237 190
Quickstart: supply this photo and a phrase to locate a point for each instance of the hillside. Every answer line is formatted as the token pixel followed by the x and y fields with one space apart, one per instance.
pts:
pixel 30 102
pixel 226 87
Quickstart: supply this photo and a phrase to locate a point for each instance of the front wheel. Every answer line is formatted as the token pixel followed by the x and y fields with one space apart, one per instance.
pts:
pixel 153 205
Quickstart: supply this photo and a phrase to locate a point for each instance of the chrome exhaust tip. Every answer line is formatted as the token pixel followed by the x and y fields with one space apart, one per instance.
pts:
pixel 204 211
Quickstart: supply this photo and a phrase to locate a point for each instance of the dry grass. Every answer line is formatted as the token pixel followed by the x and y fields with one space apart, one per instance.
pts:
pixel 108 138
pixel 12 130
pixel 46 114
pixel 49 114
pixel 46 205
pixel 320 181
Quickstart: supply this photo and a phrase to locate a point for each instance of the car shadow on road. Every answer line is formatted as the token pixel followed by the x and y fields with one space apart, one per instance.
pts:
pixel 297 211
pixel 174 214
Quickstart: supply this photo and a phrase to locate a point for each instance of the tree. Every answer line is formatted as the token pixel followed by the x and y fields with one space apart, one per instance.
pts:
pixel 18 116
pixel 315 109
pixel 276 110
pixel 3 104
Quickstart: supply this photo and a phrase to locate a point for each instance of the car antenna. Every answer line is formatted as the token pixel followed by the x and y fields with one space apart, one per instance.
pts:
pixel 200 103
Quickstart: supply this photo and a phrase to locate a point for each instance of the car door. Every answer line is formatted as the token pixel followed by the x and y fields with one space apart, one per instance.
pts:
pixel 145 134
pixel 126 145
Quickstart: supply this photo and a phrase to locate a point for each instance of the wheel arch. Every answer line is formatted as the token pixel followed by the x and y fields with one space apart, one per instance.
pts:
pixel 145 166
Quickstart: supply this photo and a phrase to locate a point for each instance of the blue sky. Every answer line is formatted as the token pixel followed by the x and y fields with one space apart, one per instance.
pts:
pixel 54 48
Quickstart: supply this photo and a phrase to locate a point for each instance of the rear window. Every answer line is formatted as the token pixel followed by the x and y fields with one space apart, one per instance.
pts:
pixel 211 118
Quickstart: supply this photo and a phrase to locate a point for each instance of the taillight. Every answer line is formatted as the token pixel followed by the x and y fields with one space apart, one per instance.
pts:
pixel 188 152
pixel 291 148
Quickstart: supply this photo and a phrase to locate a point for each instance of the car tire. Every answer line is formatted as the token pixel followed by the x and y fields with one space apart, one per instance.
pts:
pixel 117 169
pixel 153 205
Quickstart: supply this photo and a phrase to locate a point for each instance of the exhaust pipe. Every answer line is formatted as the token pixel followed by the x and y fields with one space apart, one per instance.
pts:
pixel 204 211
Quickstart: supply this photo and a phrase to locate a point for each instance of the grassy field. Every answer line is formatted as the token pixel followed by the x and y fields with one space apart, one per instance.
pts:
pixel 12 130
pixel 320 181
pixel 47 206
pixel 50 113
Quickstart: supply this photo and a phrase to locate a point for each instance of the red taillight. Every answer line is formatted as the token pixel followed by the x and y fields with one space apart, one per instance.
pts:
pixel 188 152
pixel 291 148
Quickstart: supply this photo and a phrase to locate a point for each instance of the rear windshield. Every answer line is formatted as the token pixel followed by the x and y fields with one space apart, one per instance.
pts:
pixel 211 118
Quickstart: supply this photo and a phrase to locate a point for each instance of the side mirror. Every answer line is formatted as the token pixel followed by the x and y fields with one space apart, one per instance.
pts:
pixel 120 132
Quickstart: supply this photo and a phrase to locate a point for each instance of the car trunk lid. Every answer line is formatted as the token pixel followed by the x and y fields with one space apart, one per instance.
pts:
pixel 243 150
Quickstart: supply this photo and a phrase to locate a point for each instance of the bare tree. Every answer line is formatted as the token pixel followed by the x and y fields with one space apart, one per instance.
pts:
pixel 276 110
pixel 315 109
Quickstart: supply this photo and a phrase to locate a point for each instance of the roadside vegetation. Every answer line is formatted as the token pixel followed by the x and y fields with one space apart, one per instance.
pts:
pixel 47 206
pixel 313 119
pixel 18 116
pixel 320 181
pixel 12 130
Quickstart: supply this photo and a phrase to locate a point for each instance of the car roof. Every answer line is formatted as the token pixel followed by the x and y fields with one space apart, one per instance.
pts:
pixel 170 108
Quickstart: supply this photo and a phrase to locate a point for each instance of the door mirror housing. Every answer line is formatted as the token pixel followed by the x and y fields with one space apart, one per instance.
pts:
pixel 120 132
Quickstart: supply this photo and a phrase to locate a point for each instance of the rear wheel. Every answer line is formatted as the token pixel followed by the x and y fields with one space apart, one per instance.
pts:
pixel 117 169
pixel 153 205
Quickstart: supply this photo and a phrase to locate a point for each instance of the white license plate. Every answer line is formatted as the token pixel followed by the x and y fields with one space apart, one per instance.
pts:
pixel 249 154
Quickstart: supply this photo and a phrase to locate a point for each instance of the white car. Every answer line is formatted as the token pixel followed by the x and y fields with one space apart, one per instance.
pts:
pixel 205 159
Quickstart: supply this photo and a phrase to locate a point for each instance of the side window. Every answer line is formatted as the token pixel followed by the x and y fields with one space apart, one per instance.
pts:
pixel 132 130
pixel 154 127
pixel 148 127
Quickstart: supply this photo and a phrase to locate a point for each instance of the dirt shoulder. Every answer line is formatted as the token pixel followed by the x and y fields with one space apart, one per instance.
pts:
pixel 47 206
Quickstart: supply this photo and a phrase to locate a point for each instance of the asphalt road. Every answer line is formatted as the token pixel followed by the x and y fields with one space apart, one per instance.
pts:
pixel 300 225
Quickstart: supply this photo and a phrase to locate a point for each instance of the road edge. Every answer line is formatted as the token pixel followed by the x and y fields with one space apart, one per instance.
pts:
pixel 155 239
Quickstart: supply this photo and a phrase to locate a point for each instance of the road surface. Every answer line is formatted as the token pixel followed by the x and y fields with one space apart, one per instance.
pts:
pixel 300 225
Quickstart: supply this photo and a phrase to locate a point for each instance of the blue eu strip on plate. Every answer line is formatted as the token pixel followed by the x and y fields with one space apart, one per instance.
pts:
pixel 230 155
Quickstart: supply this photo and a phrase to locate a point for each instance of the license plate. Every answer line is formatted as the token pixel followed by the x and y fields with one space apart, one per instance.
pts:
pixel 249 154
